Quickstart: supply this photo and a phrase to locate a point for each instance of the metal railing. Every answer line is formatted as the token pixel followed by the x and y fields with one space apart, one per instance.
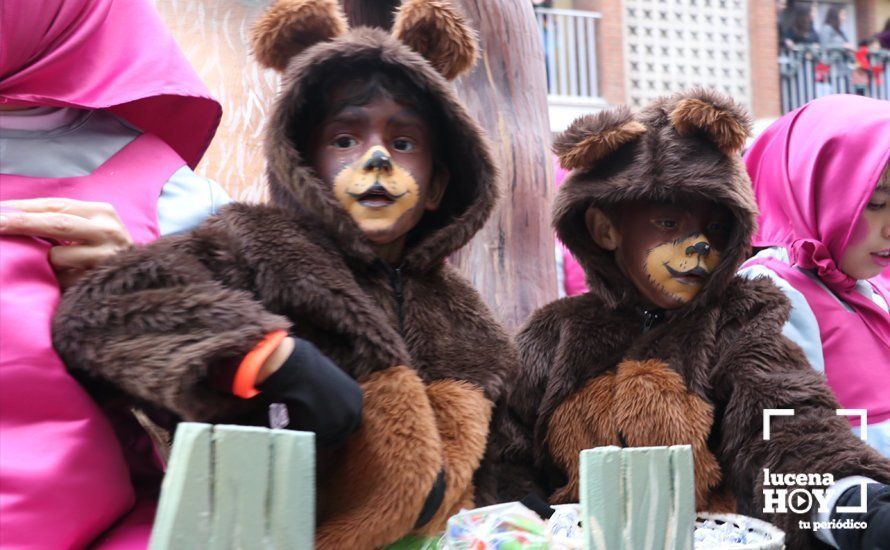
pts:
pixel 808 72
pixel 569 39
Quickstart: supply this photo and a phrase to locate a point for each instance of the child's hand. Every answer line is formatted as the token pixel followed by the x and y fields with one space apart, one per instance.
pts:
pixel 319 396
pixel 876 517
pixel 275 359
pixel 85 233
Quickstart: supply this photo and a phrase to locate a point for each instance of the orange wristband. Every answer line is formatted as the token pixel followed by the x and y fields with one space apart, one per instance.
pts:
pixel 245 376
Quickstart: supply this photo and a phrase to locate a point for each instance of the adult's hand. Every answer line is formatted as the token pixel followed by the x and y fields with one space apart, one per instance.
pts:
pixel 85 233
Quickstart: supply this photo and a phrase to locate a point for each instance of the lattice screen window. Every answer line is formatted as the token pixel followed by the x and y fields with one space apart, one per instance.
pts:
pixel 674 44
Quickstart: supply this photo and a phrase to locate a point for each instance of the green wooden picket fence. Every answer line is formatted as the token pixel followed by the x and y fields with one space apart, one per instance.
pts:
pixel 236 487
pixel 637 498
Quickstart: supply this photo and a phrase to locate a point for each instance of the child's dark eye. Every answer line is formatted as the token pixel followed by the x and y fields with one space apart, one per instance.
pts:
pixel 876 206
pixel 666 224
pixel 344 142
pixel 403 145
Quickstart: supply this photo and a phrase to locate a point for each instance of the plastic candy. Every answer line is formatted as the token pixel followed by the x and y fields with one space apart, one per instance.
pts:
pixel 509 526
pixel 711 534
pixel 565 527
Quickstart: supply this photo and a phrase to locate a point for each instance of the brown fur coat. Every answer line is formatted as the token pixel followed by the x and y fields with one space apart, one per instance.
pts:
pixel 431 359
pixel 591 375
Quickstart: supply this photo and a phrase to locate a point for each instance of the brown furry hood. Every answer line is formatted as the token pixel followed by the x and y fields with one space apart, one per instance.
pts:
pixel 685 145
pixel 472 188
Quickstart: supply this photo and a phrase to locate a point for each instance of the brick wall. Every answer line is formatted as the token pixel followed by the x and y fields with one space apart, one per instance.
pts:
pixel 764 40
pixel 866 18
pixel 609 47
pixel 586 5
pixel 882 13
pixel 763 36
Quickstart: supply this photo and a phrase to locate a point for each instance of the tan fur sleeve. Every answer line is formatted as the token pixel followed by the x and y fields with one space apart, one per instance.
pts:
pixel 462 416
pixel 378 483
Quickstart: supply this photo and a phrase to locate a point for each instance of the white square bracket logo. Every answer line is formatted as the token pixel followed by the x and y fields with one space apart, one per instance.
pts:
pixel 768 414
pixel 863 420
pixel 861 413
pixel 861 507
pixel 863 435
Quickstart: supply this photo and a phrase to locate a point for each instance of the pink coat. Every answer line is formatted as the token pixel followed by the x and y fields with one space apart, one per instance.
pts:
pixel 573 275
pixel 70 477
pixel 814 170
pixel 105 54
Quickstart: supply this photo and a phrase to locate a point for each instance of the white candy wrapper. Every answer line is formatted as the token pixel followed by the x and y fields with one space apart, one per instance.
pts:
pixel 565 527
pixel 719 531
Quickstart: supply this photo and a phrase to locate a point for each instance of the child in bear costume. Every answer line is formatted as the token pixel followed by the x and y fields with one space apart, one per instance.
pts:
pixel 377 173
pixel 668 346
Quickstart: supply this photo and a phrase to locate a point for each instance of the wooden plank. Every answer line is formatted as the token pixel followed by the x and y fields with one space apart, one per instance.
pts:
pixel 585 38
pixel 572 51
pixel 592 27
pixel 183 516
pixel 647 482
pixel 638 498
pixel 562 47
pixel 681 525
pixel 240 486
pixel 550 53
pixel 292 489
pixel 237 487
pixel 601 495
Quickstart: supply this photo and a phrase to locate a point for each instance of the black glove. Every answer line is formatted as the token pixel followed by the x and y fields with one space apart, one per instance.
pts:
pixel 876 536
pixel 319 396
pixel 433 501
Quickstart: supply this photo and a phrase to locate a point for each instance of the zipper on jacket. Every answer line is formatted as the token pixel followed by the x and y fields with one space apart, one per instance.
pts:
pixel 652 317
pixel 395 280
pixel 399 299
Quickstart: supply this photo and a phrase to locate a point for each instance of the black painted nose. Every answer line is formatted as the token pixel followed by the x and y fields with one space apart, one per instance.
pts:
pixel 701 248
pixel 378 161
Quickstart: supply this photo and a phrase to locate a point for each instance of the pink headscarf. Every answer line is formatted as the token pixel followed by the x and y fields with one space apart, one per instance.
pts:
pixel 814 171
pixel 105 54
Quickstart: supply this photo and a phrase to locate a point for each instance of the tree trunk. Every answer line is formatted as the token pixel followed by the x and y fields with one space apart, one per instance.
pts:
pixel 511 261
pixel 371 13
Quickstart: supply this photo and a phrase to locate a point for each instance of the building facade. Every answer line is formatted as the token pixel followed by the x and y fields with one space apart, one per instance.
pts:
pixel 641 49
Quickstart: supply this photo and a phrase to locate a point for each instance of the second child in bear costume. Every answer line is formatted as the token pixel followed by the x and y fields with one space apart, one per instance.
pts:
pixel 669 346
pixel 377 173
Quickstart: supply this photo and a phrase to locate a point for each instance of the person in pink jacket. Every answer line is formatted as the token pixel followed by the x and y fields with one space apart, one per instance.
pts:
pixel 822 182
pixel 102 121
pixel 569 272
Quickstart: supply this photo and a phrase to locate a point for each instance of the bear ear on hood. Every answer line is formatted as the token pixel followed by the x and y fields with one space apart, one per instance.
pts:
pixel 438 32
pixel 720 119
pixel 591 138
pixel 290 26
